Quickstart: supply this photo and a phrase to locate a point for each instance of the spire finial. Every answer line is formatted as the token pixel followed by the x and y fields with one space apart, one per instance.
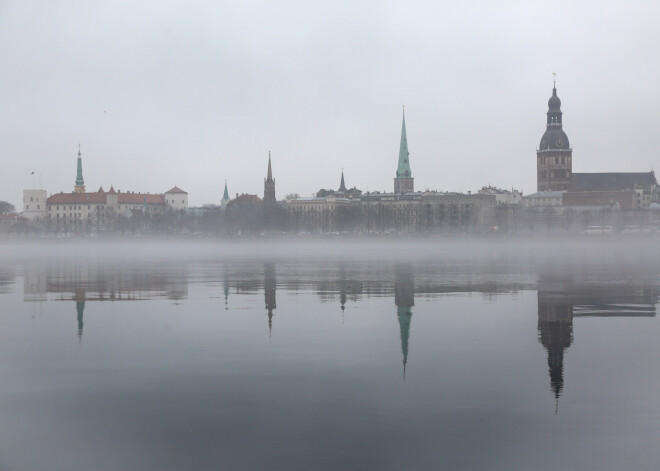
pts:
pixel 554 80
pixel 79 149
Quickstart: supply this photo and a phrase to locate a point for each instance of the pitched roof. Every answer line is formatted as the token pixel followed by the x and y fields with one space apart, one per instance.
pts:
pixel 176 189
pixel 612 181
pixel 140 198
pixel 76 198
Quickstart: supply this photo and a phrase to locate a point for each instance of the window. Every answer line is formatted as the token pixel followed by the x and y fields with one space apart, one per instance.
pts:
pixel 27 206
pixel 31 199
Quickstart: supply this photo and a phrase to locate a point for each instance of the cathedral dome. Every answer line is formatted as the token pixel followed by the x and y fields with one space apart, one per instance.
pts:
pixel 554 138
pixel 554 103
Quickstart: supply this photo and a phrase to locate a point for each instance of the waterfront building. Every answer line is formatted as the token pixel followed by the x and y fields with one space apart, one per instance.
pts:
pixel 543 198
pixel 34 204
pixel 502 197
pixel 81 210
pixel 555 172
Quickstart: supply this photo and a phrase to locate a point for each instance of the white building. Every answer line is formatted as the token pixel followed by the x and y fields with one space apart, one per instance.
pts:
pixel 34 204
pixel 543 198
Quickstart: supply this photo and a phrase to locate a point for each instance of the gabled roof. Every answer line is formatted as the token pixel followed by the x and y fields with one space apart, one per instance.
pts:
pixel 612 181
pixel 176 189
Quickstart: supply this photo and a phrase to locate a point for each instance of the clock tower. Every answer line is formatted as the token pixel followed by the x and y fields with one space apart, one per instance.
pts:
pixel 554 158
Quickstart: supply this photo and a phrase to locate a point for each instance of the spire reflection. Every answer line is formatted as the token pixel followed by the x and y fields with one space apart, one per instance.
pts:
pixel 404 299
pixel 562 299
pixel 269 292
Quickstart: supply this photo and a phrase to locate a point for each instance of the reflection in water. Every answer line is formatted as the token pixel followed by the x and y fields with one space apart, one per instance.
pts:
pixel 561 299
pixel 269 292
pixel 80 308
pixel 404 299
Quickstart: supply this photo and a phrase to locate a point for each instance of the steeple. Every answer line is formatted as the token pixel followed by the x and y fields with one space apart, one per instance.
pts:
pixel 225 197
pixel 269 185
pixel 80 183
pixel 342 185
pixel 403 182
pixel 269 176
pixel 554 156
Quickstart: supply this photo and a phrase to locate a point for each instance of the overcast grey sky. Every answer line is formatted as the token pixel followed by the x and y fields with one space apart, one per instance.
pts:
pixel 193 93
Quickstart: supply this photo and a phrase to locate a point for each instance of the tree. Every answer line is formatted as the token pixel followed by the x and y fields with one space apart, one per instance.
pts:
pixel 6 208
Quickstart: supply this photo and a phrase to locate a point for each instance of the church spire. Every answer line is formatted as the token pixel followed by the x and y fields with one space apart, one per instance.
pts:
pixel 269 176
pixel 225 197
pixel 342 185
pixel 80 183
pixel 403 182
pixel 269 185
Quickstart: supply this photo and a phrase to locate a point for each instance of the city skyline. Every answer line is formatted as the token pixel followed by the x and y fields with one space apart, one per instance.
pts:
pixel 193 97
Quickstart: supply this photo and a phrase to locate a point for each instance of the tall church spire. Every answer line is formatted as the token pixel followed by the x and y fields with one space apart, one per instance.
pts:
pixel 80 183
pixel 342 185
pixel 403 182
pixel 225 197
pixel 269 185
pixel 269 176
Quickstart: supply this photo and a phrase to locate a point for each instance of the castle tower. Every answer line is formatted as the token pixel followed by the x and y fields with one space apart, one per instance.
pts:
pixel 80 183
pixel 269 185
pixel 554 157
pixel 404 182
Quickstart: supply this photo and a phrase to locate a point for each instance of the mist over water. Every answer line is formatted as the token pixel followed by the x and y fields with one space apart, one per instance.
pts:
pixel 385 354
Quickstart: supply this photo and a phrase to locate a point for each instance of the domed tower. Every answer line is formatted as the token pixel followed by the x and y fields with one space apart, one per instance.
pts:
pixel 554 162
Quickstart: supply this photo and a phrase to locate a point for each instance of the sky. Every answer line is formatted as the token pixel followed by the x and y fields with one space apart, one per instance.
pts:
pixel 194 94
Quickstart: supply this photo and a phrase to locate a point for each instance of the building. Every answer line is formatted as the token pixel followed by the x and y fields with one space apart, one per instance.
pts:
pixel 342 192
pixel 269 186
pixel 643 185
pixel 554 155
pixel 502 197
pixel 543 198
pixel 82 210
pixel 225 197
pixel 34 204
pixel 320 214
pixel 404 182
pixel 554 160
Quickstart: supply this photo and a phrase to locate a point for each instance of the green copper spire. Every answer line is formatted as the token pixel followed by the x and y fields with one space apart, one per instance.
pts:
pixel 403 171
pixel 79 177
pixel 225 196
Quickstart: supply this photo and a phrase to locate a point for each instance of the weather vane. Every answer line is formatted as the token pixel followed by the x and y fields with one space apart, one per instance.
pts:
pixel 554 78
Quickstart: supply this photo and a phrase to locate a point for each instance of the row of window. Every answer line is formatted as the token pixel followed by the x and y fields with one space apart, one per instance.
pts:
pixel 553 160
pixel 555 174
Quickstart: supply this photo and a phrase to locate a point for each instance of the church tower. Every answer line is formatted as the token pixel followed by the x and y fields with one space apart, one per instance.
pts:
pixel 269 185
pixel 225 197
pixel 80 183
pixel 554 161
pixel 404 182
